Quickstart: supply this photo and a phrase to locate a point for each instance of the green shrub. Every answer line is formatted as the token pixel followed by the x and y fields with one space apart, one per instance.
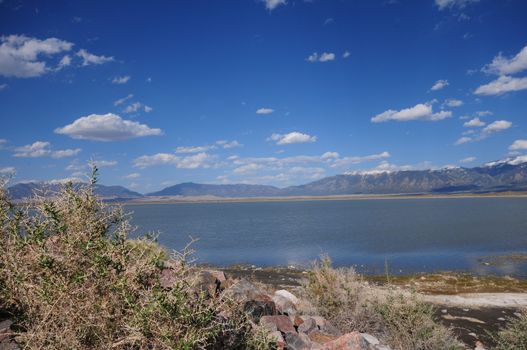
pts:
pixel 74 281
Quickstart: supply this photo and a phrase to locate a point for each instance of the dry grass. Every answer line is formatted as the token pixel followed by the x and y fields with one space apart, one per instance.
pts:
pixel 74 281
pixel 514 336
pixel 403 322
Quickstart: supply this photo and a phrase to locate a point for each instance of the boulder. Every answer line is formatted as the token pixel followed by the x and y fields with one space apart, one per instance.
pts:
pixel 319 337
pixel 307 326
pixel 355 341
pixel 287 295
pixel 277 338
pixel 296 341
pixel 210 281
pixel 260 305
pixel 280 322
pixel 284 305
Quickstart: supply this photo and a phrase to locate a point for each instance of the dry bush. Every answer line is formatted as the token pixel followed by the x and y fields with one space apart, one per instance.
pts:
pixel 403 322
pixel 74 281
pixel 408 323
pixel 514 335
pixel 340 296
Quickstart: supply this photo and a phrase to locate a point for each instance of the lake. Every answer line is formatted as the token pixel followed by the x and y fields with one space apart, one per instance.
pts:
pixel 407 235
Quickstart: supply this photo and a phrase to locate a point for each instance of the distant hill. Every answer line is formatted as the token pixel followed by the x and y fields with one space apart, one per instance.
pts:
pixel 239 190
pixel 507 175
pixel 26 190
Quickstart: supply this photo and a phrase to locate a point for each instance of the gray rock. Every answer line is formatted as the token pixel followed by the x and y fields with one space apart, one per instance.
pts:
pixel 296 341
pixel 307 326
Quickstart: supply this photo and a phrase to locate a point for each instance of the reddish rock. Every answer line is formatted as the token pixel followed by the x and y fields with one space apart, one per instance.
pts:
pixel 297 320
pixel 282 323
pixel 320 337
pixel 307 326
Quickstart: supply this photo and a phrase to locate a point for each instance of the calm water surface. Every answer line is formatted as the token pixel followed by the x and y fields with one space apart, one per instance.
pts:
pixel 411 235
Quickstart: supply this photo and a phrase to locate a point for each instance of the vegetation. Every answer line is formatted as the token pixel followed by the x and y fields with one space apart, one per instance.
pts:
pixel 514 336
pixel 73 280
pixel 402 322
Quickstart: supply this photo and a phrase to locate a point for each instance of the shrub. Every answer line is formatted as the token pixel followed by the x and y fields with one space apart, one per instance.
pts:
pixel 403 322
pixel 514 336
pixel 74 281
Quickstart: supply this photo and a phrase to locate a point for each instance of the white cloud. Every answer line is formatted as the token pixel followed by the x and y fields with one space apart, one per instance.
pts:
pixel 453 4
pixel 346 54
pixel 518 145
pixel 121 80
pixel 467 160
pixel 3 87
pixel 133 176
pixel 200 160
pixel 483 113
pixel 510 161
pixel 122 100
pixel 505 66
pixel 132 108
pixel 475 122
pixel 89 58
pixel 106 127
pixel 105 163
pixel 193 149
pixel 502 85
pixel 272 4
pixel 438 85
pixel 264 111
pixel 453 102
pixel 463 140
pixel 421 111
pixel 65 153
pixel 347 161
pixel 3 142
pixel 324 57
pixel 43 149
pixel 247 169
pixel 229 144
pixel 497 126
pixel 64 62
pixel 9 171
pixel 291 138
pixel 23 57
pixel 148 109
pixel 331 155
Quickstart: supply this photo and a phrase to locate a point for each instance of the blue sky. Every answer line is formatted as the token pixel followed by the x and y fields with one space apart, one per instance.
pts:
pixel 276 92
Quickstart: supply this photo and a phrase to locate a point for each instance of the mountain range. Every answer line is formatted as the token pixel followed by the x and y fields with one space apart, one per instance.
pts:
pixel 506 175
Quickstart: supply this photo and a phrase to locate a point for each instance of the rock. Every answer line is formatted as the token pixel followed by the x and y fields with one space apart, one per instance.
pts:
pixel 330 329
pixel 260 305
pixel 277 339
pixel 242 290
pixel 354 341
pixel 281 322
pixel 320 337
pixel 297 320
pixel 284 305
pixel 287 295
pixel 295 341
pixel 307 326
pixel 210 281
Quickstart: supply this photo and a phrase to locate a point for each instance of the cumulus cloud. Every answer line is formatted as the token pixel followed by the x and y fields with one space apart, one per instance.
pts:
pixel 501 65
pixel 346 54
pixel 91 59
pixel 463 140
pixel 347 161
pixel 272 4
pixel 438 85
pixel 475 122
pixel 497 126
pixel 453 4
pixel 483 113
pixel 104 163
pixel 247 169
pixel 121 80
pixel 3 87
pixel 137 106
pixel 264 111
pixel 133 176
pixel 193 149
pixel 518 145
pixel 291 138
pixel 25 57
pixel 64 62
pixel 106 127
pixel 453 102
pixel 502 85
pixel 43 149
pixel 421 111
pixel 324 57
pixel 467 160
pixel 199 160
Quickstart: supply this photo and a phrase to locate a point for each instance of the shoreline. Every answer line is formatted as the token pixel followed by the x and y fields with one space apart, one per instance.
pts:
pixel 213 199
